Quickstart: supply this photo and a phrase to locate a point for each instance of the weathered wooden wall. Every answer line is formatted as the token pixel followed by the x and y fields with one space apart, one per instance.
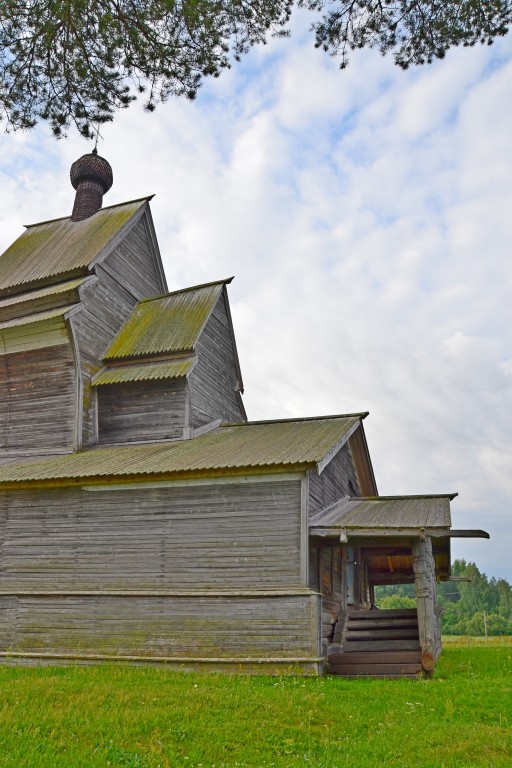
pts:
pixel 133 262
pixel 201 536
pixel 106 305
pixel 38 400
pixel 219 565
pixel 141 410
pixel 129 273
pixel 167 626
pixel 338 479
pixel 213 382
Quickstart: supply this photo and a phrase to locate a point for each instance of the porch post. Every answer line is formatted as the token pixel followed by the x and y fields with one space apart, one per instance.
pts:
pixel 428 624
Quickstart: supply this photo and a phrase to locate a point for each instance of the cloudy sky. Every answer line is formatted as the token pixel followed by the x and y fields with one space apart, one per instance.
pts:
pixel 367 217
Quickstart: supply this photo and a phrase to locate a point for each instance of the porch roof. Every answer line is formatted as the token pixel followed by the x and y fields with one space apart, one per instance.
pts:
pixel 387 516
pixel 387 512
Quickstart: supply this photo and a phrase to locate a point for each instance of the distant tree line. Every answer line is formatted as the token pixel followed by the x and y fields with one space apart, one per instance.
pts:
pixel 476 607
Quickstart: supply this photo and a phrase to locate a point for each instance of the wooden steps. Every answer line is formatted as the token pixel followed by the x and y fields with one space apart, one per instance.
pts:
pixel 376 664
pixel 378 644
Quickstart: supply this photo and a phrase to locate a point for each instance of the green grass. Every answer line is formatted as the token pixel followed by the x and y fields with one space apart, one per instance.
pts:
pixel 145 717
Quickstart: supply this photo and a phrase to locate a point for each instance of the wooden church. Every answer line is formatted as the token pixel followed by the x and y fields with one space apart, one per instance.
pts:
pixel 143 518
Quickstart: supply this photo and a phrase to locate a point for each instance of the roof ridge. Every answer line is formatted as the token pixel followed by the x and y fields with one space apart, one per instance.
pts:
pixel 226 281
pixel 104 208
pixel 362 415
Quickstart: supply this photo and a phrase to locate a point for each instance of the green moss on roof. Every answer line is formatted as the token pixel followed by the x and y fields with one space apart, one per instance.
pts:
pixel 147 371
pixel 50 290
pixel 62 246
pixel 167 324
pixel 251 447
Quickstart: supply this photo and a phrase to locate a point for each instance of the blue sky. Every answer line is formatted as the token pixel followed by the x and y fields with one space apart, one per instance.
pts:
pixel 367 217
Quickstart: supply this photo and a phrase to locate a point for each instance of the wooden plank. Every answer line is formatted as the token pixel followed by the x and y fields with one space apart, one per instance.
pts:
pixel 368 624
pixel 373 670
pixel 377 657
pixel 394 613
pixel 356 646
pixel 402 633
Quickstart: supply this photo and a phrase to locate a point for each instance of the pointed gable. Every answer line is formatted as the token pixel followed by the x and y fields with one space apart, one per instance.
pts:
pixel 169 324
pixel 55 250
pixel 178 351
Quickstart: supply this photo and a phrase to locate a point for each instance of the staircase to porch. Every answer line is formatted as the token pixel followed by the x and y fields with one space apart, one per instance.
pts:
pixel 378 643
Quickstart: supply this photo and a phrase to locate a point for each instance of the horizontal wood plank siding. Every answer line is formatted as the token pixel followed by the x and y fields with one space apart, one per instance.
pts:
pixel 106 305
pixel 196 536
pixel 37 401
pixel 132 263
pixel 213 382
pixel 338 479
pixel 37 335
pixel 141 410
pixel 161 626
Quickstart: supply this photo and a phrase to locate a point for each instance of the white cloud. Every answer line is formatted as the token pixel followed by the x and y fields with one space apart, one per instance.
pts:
pixel 366 215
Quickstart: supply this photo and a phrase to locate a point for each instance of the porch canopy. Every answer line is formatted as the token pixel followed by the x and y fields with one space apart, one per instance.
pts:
pixel 384 528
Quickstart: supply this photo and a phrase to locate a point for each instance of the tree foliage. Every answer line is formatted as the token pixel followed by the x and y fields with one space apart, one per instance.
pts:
pixel 78 61
pixel 468 606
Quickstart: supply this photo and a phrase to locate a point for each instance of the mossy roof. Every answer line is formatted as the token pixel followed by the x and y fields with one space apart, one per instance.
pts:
pixel 62 247
pixel 147 371
pixel 166 324
pixel 37 317
pixel 41 293
pixel 250 446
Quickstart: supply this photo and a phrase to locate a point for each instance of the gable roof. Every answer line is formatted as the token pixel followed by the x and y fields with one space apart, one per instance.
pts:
pixel 249 446
pixel 167 324
pixel 62 247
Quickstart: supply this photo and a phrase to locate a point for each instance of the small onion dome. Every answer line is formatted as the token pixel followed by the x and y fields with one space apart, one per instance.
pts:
pixel 94 168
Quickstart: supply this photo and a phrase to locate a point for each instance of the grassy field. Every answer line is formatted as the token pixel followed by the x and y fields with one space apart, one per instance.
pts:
pixel 145 717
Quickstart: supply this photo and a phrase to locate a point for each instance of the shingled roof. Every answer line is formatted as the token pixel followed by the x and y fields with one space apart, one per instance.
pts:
pixel 62 248
pixel 249 446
